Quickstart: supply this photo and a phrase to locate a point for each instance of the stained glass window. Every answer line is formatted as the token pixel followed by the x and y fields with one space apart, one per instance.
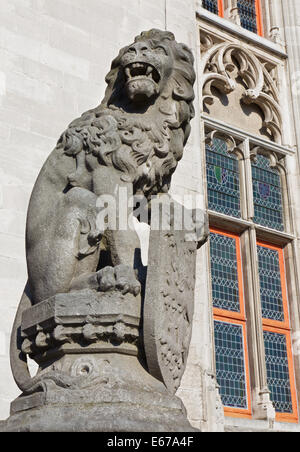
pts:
pixel 267 196
pixel 270 284
pixel 211 5
pixel 222 179
pixel 247 13
pixel 229 322
pixel 276 330
pixel 225 289
pixel 230 364
pixel 278 371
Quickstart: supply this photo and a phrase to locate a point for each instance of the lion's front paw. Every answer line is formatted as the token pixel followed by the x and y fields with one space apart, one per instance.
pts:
pixel 106 279
pixel 126 280
pixel 121 277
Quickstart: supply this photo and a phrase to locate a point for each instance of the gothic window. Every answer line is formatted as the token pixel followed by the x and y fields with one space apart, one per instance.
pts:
pixel 222 179
pixel 267 194
pixel 279 373
pixel 276 330
pixel 230 364
pixel 225 271
pixel 214 6
pixel 271 279
pixel 247 216
pixel 250 15
pixel 229 322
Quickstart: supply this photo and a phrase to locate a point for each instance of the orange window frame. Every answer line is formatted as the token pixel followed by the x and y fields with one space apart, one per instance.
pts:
pixel 286 322
pixel 222 312
pixel 284 329
pixel 259 23
pixel 221 8
pixel 258 10
pixel 239 318
pixel 287 417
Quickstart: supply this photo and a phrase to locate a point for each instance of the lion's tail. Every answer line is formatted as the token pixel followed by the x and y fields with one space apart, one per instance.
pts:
pixel 18 359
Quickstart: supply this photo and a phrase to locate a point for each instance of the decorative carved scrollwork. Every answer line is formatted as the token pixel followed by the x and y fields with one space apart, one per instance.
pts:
pixel 274 158
pixel 232 146
pixel 169 305
pixel 222 62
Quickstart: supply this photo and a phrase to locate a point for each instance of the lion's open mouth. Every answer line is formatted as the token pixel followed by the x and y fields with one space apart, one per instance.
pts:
pixel 141 70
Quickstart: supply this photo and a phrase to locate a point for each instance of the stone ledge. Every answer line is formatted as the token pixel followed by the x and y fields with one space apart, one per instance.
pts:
pixel 82 322
pixel 241 33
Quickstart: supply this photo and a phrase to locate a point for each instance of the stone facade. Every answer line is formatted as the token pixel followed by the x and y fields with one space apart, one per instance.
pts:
pixel 55 55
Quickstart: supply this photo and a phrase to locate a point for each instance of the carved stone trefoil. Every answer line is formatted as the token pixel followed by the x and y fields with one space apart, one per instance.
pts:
pixel 218 65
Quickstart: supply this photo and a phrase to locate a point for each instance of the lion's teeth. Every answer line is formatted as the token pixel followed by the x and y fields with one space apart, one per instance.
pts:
pixel 127 72
pixel 149 70
pixel 135 70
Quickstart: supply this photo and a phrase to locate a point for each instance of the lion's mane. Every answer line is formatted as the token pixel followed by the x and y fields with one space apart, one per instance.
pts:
pixel 144 146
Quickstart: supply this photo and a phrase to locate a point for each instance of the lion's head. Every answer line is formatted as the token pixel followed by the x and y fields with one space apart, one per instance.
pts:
pixel 153 65
pixel 142 124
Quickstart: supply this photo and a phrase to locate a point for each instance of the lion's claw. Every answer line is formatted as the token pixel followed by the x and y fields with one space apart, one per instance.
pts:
pixel 120 278
pixel 106 279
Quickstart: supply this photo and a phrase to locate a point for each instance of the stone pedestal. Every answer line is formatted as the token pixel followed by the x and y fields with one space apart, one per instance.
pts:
pixel 91 375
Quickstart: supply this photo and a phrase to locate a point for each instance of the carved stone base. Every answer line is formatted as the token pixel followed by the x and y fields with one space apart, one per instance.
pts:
pixel 122 398
pixel 97 418
pixel 91 376
pixel 81 322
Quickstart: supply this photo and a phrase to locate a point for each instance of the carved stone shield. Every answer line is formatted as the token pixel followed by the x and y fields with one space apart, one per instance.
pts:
pixel 169 305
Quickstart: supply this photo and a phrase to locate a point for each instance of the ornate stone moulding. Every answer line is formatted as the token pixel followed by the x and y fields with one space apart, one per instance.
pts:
pixel 233 145
pixel 82 322
pixel 220 66
pixel 275 158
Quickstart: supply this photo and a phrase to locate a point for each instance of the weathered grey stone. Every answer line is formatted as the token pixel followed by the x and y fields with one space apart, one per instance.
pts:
pixel 91 375
pixel 80 314
pixel 117 394
pixel 169 304
pixel 81 322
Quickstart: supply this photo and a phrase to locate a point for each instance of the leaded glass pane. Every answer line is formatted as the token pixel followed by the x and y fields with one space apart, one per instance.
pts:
pixel 224 272
pixel 278 371
pixel 222 179
pixel 270 284
pixel 211 5
pixel 267 195
pixel 247 13
pixel 230 364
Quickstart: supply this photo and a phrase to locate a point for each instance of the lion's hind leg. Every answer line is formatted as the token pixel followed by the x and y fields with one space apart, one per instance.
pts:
pixel 65 247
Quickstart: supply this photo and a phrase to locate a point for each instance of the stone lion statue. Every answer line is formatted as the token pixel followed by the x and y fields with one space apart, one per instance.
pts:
pixel 133 139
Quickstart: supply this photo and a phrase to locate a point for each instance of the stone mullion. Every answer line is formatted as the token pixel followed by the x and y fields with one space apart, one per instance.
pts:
pixel 248 181
pixel 275 20
pixel 263 408
pixel 286 201
pixel 261 402
pixel 234 12
pixel 251 320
